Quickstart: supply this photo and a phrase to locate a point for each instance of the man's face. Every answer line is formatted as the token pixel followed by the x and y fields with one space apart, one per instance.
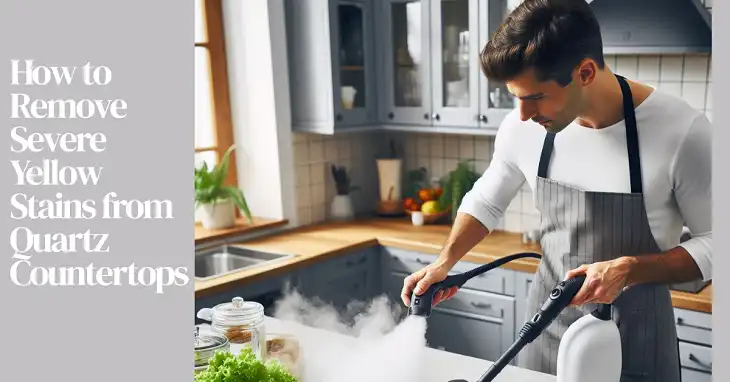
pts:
pixel 547 103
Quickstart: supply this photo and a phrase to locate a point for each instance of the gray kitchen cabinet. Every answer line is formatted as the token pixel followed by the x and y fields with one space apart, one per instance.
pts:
pixel 495 101
pixel 694 331
pixel 404 61
pixel 331 64
pixel 343 279
pixel 429 64
pixel 523 282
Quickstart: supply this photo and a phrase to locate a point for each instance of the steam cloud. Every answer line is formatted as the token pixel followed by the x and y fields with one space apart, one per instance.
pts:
pixel 390 345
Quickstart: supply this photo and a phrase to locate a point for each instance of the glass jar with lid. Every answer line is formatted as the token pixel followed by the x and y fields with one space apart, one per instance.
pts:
pixel 241 322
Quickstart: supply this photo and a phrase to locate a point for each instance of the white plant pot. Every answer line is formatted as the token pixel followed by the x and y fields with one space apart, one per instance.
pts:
pixel 342 208
pixel 218 215
pixel 389 176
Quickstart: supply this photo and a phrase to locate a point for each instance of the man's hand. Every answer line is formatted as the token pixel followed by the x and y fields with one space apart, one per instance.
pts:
pixel 604 281
pixel 420 281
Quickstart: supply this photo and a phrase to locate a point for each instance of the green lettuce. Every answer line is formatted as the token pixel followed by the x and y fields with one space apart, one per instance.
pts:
pixel 226 367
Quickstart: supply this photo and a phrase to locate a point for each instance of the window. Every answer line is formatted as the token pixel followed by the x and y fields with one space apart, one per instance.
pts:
pixel 213 128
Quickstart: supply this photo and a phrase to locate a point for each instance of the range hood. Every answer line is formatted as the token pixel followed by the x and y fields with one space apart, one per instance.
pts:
pixel 654 26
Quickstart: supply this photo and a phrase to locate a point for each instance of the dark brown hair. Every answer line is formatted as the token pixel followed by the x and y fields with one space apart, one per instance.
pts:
pixel 550 36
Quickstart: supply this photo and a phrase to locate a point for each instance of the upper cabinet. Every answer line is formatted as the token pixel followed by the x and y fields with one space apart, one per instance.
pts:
pixel 404 63
pixel 429 61
pixel 331 64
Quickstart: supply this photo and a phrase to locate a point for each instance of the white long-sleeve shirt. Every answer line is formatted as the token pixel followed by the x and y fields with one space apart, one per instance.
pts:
pixel 675 143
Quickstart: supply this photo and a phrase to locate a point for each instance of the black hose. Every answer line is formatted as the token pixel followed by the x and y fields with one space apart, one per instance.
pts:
pixel 503 361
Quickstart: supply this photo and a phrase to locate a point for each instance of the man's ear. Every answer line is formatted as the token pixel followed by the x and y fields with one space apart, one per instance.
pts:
pixel 586 72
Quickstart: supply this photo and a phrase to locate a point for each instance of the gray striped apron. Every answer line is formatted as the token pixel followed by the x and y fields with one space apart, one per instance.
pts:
pixel 580 227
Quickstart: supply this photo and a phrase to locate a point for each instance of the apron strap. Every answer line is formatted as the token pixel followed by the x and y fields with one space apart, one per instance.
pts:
pixel 632 136
pixel 547 150
pixel 632 141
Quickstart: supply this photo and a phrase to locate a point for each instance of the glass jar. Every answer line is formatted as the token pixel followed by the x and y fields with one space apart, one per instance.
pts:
pixel 241 322
pixel 206 346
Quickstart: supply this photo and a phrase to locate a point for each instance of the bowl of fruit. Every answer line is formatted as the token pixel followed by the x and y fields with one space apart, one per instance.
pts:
pixel 427 203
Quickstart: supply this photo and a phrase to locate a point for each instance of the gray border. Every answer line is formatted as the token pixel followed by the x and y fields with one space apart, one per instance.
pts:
pixel 115 333
pixel 720 308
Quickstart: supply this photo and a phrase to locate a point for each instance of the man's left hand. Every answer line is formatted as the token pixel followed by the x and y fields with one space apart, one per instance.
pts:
pixel 604 281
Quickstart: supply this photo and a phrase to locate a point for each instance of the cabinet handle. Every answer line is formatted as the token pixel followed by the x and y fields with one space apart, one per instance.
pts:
pixel 436 116
pixel 419 261
pixel 425 116
pixel 696 360
pixel 391 115
pixel 481 305
pixel 483 118
pixel 350 263
pixel 339 117
pixel 680 322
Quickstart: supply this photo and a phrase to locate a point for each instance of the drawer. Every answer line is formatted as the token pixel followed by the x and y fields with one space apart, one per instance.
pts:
pixel 496 307
pixel 346 262
pixel 497 280
pixel 689 375
pixel 693 326
pixel 696 357
pixel 407 262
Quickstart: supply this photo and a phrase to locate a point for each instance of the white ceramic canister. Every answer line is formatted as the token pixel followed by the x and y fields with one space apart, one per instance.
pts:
pixel 389 176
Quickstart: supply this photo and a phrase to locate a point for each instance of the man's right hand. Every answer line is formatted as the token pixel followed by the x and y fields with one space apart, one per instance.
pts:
pixel 422 279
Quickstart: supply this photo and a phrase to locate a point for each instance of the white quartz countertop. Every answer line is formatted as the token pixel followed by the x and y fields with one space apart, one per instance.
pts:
pixel 438 365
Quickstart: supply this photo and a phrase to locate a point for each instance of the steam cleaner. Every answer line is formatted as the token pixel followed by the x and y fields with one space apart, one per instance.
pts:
pixel 590 350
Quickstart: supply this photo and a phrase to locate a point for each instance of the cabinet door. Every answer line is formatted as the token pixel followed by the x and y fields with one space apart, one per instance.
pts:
pixel 495 100
pixel 310 53
pixel 353 72
pixel 466 334
pixel 405 62
pixel 455 68
pixel 341 289
pixel 523 282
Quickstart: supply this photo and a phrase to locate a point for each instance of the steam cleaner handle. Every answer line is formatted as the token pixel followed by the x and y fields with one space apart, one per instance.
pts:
pixel 559 299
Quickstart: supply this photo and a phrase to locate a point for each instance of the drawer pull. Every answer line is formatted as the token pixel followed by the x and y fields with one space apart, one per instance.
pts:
pixel 681 322
pixel 481 305
pixel 697 360
pixel 419 261
pixel 350 263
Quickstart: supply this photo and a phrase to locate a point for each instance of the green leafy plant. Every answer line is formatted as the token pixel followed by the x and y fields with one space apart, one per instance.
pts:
pixel 209 187
pixel 343 184
pixel 415 180
pixel 245 367
pixel 456 184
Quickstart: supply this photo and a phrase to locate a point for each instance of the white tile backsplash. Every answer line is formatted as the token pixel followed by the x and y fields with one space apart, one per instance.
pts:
pixel 648 68
pixel 694 93
pixel 628 66
pixel 695 68
pixel 671 69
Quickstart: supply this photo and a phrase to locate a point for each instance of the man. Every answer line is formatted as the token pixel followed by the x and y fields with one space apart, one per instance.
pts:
pixel 616 167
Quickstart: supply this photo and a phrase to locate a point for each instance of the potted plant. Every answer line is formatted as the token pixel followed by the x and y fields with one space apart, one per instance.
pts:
pixel 456 184
pixel 216 201
pixel 342 207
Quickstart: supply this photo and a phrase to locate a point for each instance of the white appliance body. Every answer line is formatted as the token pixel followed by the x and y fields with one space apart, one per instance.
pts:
pixel 590 350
